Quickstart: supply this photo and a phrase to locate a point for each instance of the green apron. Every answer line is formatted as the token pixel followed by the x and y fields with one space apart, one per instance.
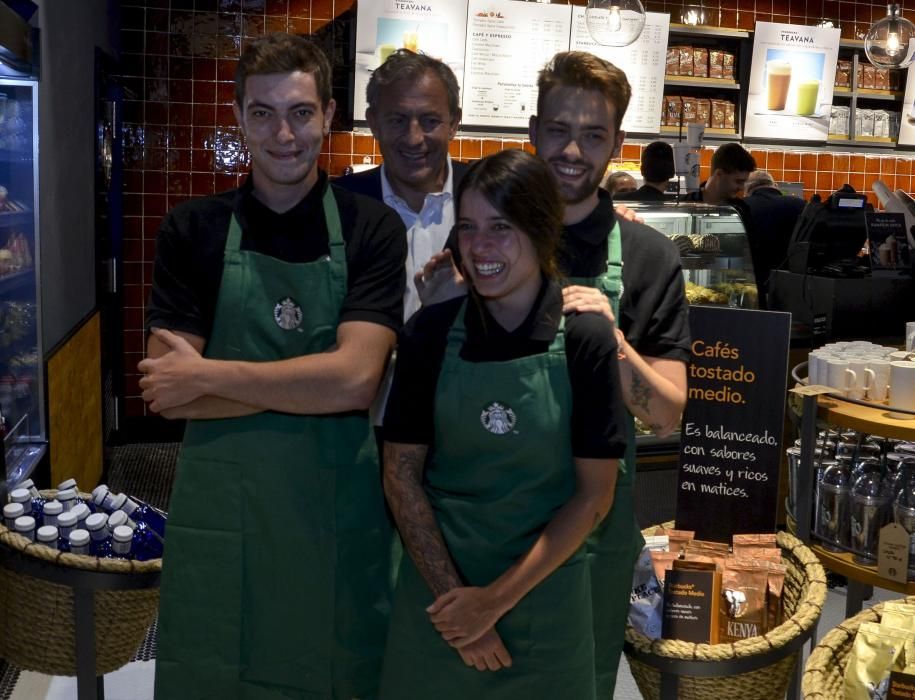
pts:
pixel 615 545
pixel 275 583
pixel 500 468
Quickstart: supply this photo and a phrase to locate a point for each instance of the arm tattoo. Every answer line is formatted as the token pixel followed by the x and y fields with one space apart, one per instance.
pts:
pixel 415 519
pixel 641 392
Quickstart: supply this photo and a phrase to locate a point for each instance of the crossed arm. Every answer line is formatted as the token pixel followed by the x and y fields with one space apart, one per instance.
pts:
pixel 179 382
pixel 465 616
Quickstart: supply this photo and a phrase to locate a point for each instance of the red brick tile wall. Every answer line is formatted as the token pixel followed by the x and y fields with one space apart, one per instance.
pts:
pixel 181 140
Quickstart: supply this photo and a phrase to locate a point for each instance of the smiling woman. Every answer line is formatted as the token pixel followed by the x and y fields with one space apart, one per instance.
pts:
pixel 519 412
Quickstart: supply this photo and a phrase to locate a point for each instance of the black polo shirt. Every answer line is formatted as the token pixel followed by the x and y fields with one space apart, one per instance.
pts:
pixel 192 238
pixel 598 412
pixel 653 309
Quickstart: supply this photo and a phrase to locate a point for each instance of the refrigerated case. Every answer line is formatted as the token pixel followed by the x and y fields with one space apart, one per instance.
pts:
pixel 717 269
pixel 21 375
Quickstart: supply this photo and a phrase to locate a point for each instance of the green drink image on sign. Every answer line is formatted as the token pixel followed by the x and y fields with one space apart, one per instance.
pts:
pixel 807 93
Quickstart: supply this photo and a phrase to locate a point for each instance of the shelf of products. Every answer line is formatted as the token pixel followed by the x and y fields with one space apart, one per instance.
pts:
pixel 853 428
pixel 855 124
pixel 703 83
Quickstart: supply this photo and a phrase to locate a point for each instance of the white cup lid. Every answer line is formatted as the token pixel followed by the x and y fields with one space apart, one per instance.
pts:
pixel 24 523
pixel 79 538
pixel 122 533
pixel 13 510
pixel 20 495
pixel 53 508
pixel 47 533
pixel 96 521
pixel 66 519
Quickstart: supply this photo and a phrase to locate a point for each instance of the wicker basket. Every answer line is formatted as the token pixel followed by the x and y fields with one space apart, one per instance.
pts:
pixel 803 596
pixel 37 626
pixel 824 674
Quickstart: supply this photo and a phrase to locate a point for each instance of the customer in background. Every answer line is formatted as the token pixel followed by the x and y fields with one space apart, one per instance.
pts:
pixel 620 183
pixel 731 166
pixel 273 311
pixel 657 171
pixel 774 216
pixel 493 601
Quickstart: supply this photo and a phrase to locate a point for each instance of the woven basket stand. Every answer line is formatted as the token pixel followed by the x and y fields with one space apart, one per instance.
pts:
pixel 759 668
pixel 67 614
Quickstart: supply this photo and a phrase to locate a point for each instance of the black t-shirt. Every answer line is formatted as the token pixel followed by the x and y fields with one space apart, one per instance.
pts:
pixel 598 412
pixel 192 238
pixel 653 309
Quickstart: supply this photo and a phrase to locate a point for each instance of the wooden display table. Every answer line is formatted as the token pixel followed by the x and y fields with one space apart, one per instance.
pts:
pixel 872 420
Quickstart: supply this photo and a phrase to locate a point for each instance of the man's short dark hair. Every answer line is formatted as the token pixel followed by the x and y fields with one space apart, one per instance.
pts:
pixel 580 69
pixel 658 162
pixel 404 64
pixel 733 158
pixel 284 53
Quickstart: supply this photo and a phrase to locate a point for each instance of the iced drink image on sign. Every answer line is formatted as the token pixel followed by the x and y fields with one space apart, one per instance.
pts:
pixel 778 80
pixel 807 93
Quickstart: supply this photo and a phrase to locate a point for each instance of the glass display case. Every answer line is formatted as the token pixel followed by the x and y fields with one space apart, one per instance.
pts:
pixel 717 268
pixel 21 376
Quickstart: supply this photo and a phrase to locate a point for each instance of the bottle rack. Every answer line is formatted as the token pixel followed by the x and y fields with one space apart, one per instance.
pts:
pixel 864 417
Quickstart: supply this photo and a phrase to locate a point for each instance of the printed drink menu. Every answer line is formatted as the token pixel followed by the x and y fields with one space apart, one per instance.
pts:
pixel 643 61
pixel 508 42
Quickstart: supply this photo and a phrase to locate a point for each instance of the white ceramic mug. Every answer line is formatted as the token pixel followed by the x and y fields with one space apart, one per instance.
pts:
pixel 839 376
pixel 816 367
pixel 864 377
pixel 902 356
pixel 877 389
pixel 902 389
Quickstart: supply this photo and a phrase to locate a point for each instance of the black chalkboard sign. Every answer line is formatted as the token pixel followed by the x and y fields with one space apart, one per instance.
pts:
pixel 730 444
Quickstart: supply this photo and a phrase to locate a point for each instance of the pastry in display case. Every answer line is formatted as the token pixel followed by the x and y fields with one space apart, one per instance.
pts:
pixel 714 250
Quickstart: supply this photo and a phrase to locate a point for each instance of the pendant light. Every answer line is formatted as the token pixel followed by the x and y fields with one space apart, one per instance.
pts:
pixel 888 43
pixel 693 14
pixel 615 22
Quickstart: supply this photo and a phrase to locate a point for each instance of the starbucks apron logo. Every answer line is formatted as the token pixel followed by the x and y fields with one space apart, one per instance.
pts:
pixel 498 419
pixel 287 314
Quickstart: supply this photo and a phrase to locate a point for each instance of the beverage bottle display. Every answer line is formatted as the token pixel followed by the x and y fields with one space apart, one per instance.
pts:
pixel 11 511
pixel 51 510
pixel 47 535
pixel 79 542
pixel 66 486
pixel 23 496
pixel 37 500
pixel 25 526
pixel 68 499
pixel 66 523
pixel 97 524
pixel 121 540
pixel 82 512
pixel 146 545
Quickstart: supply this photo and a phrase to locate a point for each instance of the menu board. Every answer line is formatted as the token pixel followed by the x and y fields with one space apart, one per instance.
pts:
pixel 643 61
pixel 907 121
pixel 433 27
pixel 508 42
pixel 730 439
pixel 791 82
